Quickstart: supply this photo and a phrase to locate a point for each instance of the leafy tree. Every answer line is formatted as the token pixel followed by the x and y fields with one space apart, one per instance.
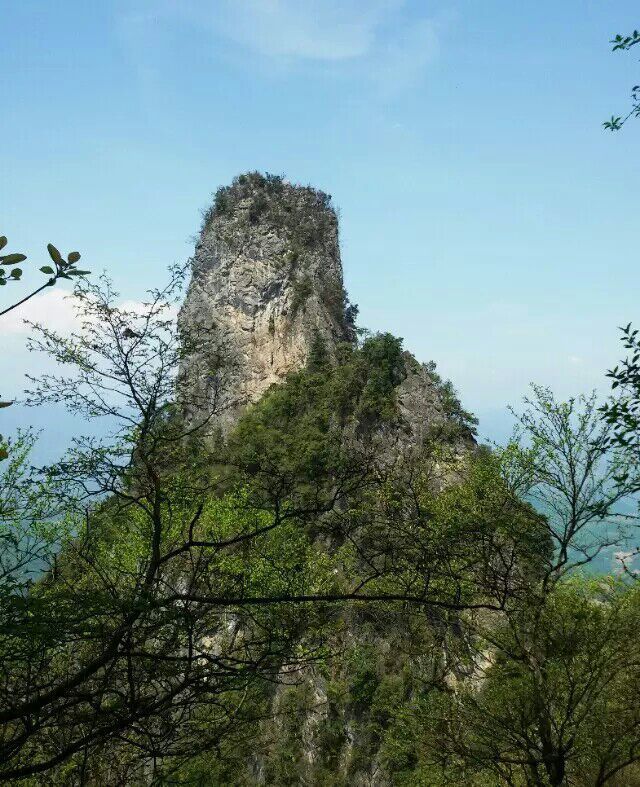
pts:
pixel 558 710
pixel 622 412
pixel 562 459
pixel 470 542
pixel 117 638
pixel 551 670
pixel 415 525
pixel 624 44
pixel 190 575
pixel 62 269
pixel 31 524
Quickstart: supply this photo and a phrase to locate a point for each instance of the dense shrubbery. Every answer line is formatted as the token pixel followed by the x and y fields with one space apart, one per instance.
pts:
pixel 301 427
pixel 305 212
pixel 452 405
pixel 515 697
pixel 187 576
pixel 312 600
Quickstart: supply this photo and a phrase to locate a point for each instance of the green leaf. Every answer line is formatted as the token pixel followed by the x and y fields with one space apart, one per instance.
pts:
pixel 78 273
pixel 16 273
pixel 5 404
pixel 12 259
pixel 3 241
pixel 47 269
pixel 55 254
pixel 73 257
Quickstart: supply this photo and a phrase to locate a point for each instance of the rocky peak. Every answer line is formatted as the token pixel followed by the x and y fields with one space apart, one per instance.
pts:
pixel 267 284
pixel 267 277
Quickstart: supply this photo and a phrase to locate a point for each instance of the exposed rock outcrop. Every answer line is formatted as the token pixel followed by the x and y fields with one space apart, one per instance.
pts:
pixel 267 277
pixel 267 282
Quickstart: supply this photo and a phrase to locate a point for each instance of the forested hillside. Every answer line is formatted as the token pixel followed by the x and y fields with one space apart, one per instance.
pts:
pixel 291 562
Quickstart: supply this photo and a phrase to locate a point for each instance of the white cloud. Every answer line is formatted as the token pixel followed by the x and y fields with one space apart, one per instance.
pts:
pixel 54 308
pixel 383 41
pixel 57 309
pixel 315 29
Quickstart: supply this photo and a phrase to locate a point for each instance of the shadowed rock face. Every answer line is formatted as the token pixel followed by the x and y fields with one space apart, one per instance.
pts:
pixel 267 277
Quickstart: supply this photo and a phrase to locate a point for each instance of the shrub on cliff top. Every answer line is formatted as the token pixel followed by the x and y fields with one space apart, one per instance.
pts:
pixel 269 197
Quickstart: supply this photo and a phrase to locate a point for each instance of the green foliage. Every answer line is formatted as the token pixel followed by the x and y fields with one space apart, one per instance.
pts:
pixel 379 683
pixel 258 205
pixel 562 460
pixel 318 359
pixel 220 205
pixel 622 412
pixel 9 260
pixel 193 613
pixel 305 214
pixel 334 297
pixel 457 416
pixel 286 756
pixel 363 676
pixel 545 680
pixel 297 430
pixel 386 365
pixel 624 44
pixel 32 526
pixel 64 269
pixel 554 706
pixel 351 311
pixel 10 272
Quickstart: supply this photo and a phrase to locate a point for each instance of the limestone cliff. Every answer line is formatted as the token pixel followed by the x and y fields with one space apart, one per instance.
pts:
pixel 267 281
pixel 267 276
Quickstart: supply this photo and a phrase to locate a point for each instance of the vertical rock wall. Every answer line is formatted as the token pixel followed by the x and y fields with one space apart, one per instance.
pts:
pixel 267 279
pixel 267 283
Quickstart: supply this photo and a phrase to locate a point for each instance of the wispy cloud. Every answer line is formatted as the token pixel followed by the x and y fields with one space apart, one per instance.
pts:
pixel 387 42
pixel 54 308
pixel 312 30
pixel 59 310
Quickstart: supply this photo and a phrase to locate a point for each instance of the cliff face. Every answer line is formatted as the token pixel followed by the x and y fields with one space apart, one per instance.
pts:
pixel 267 278
pixel 267 282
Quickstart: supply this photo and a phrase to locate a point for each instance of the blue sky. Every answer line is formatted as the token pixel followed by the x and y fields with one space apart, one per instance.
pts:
pixel 486 216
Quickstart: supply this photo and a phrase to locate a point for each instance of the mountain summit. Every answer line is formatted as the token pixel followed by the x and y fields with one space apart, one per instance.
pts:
pixel 267 278
pixel 267 282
